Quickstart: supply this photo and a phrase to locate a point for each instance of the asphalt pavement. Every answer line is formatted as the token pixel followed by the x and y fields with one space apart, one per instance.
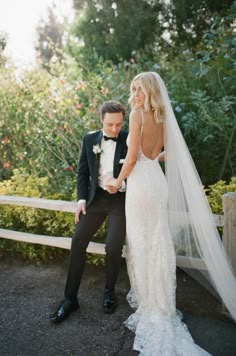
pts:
pixel 30 292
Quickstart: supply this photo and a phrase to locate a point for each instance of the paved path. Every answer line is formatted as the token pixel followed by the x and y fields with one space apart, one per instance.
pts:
pixel 28 293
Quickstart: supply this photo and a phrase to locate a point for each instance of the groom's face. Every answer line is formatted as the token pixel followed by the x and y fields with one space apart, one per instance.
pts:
pixel 112 123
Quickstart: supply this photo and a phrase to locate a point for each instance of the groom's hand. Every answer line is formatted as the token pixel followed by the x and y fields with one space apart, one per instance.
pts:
pixel 111 189
pixel 81 209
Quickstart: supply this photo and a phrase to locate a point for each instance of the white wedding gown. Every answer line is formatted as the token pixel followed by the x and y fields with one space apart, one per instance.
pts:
pixel 151 263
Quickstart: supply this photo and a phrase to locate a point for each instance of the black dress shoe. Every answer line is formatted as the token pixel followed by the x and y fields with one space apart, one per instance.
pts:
pixel 109 301
pixel 64 310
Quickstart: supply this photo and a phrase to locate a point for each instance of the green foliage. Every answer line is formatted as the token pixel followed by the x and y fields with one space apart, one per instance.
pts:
pixel 120 30
pixel 3 43
pixel 32 220
pixel 107 28
pixel 188 20
pixel 32 252
pixel 45 113
pixel 202 88
pixel 37 221
pixel 216 191
pixel 50 37
pixel 95 259
pixel 34 130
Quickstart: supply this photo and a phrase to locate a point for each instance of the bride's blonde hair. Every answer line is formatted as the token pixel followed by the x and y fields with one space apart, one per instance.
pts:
pixel 153 100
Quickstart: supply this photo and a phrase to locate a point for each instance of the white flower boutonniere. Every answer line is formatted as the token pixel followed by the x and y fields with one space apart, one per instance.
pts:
pixel 97 150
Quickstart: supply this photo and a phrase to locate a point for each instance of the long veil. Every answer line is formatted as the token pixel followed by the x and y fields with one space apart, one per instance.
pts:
pixel 191 221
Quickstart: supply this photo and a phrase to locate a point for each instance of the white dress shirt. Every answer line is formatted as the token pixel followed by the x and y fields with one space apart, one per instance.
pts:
pixel 105 172
pixel 106 167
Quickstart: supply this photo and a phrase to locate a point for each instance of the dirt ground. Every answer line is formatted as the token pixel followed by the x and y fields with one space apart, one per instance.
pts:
pixel 30 292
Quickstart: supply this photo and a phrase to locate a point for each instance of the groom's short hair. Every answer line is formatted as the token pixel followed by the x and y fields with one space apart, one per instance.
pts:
pixel 111 106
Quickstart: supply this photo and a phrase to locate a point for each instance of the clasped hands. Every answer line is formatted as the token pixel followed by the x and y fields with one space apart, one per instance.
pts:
pixel 112 186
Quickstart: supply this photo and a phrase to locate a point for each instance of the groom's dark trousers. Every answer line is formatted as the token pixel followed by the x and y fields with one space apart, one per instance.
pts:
pixel 104 205
pixel 101 205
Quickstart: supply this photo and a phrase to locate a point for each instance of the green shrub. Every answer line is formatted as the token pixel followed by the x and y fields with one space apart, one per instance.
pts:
pixel 37 221
pixel 55 223
pixel 216 191
pixel 44 117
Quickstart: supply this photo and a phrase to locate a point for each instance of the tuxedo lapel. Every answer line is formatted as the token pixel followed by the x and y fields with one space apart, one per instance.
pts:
pixel 118 151
pixel 97 141
pixel 98 138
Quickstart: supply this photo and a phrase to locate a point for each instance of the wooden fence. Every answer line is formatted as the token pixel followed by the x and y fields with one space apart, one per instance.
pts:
pixel 228 220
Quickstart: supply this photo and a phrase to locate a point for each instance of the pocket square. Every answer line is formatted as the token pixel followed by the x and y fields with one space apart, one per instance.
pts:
pixel 121 160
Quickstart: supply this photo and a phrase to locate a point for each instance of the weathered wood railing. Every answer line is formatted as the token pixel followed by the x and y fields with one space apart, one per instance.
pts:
pixel 228 220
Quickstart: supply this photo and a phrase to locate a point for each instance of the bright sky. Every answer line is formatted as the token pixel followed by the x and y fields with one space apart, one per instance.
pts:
pixel 19 19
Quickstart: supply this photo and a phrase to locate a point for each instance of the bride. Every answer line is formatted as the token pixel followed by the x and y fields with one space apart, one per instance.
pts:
pixel 165 213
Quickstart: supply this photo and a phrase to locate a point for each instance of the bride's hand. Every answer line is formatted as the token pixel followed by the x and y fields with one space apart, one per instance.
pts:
pixel 111 187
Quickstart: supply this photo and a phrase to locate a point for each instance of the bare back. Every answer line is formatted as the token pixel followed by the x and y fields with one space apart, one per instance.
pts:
pixel 152 136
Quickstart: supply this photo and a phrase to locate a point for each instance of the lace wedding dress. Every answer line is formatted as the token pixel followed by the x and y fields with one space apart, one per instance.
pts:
pixel 151 263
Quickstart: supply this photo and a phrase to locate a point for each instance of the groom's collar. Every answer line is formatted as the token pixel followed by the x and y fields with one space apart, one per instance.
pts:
pixel 104 134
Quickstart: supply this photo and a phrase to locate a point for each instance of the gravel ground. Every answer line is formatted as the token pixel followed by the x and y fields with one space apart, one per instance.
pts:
pixel 30 292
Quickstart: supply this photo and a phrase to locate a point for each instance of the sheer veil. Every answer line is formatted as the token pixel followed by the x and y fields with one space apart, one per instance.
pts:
pixel 191 221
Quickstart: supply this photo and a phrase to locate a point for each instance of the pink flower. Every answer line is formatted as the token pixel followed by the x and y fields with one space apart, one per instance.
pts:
pixel 79 85
pixel 37 54
pixel 62 81
pixel 20 156
pixel 7 165
pixel 132 61
pixel 5 140
pixel 103 90
pixel 78 106
pixel 69 168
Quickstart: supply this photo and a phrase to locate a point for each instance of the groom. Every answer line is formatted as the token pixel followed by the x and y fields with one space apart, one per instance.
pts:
pixel 100 162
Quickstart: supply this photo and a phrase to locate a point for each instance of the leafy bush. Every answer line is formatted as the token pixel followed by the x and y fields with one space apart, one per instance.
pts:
pixel 216 191
pixel 45 115
pixel 36 221
pixel 202 86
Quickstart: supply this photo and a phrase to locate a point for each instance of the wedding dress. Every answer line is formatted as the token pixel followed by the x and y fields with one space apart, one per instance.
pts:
pixel 151 264
pixel 168 214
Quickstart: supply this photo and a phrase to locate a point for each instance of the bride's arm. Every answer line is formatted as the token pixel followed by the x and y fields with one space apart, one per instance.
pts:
pixel 135 121
pixel 162 155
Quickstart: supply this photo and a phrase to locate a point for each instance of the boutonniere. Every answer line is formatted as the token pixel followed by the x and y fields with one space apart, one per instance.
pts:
pixel 97 150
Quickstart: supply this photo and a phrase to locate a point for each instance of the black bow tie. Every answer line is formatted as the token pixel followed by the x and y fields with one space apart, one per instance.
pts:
pixel 106 138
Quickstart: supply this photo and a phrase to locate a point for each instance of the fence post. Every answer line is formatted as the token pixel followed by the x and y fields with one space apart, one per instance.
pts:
pixel 229 234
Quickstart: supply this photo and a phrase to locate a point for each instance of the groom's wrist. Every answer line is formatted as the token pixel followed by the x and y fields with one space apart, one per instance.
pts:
pixel 81 201
pixel 122 187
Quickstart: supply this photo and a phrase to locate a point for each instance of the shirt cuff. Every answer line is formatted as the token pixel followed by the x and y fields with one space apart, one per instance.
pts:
pixel 123 187
pixel 81 201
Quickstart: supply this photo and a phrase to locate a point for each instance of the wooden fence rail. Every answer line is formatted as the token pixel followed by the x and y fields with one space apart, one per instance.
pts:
pixel 65 242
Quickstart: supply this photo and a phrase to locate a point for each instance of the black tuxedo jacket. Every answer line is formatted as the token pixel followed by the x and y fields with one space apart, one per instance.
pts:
pixel 87 181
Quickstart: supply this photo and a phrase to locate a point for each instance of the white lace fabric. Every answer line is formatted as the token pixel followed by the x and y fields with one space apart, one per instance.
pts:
pixel 157 334
pixel 164 214
pixel 151 264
